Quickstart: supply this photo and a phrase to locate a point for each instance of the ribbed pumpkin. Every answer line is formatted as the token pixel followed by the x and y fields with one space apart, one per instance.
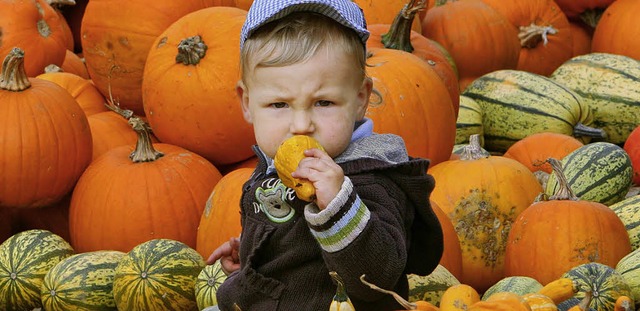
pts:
pixel 220 219
pixel 613 34
pixel 73 63
pixel 195 57
pixel 82 282
pixel 409 93
pixel 632 147
pixel 34 27
pixel 116 38
pixel 602 280
pixel 398 35
pixel 45 140
pixel 570 231
pixel 543 31
pixel 483 195
pixel 83 91
pixel 629 268
pixel 471 30
pixel 159 274
pixel 534 150
pixel 209 279
pixel 156 191
pixel 110 130
pixel 25 259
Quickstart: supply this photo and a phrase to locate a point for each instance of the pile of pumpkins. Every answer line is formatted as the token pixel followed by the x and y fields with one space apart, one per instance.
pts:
pixel 112 136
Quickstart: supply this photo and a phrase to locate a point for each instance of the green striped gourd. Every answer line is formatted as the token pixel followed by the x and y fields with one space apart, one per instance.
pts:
pixel 610 85
pixel 469 121
pixel 159 274
pixel 629 268
pixel 629 212
pixel 514 284
pixel 431 287
pixel 82 282
pixel 25 259
pixel 516 104
pixel 603 281
pixel 209 279
pixel 598 172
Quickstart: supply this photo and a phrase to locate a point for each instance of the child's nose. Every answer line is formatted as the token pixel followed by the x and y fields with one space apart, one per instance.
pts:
pixel 302 123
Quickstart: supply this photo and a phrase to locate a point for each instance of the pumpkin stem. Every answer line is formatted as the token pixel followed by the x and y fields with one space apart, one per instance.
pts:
pixel 591 17
pixel 565 192
pixel 341 293
pixel 584 303
pixel 583 130
pixel 404 303
pixel 191 50
pixel 113 104
pixel 399 35
pixel 473 151
pixel 533 34
pixel 14 77
pixel 52 68
pixel 144 151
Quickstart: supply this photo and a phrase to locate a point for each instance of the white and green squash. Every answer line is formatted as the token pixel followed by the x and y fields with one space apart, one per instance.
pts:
pixel 209 279
pixel 629 268
pixel 469 121
pixel 610 86
pixel 82 282
pixel 605 284
pixel 25 259
pixel 598 172
pixel 629 212
pixel 514 284
pixel 159 274
pixel 431 287
pixel 516 104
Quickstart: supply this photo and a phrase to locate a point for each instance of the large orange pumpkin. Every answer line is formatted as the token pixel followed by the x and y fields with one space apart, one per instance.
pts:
pixel 117 36
pixel 221 217
pixel 34 27
pixel 189 81
pixel 452 255
pixel 614 33
pixel 411 101
pixel 125 198
pixel 534 150
pixel 399 35
pixel 543 31
pixel 483 195
pixel 45 140
pixel 479 38
pixel 566 230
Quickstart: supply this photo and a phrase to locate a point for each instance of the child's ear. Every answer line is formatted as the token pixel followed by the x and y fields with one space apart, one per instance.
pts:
pixel 364 95
pixel 241 90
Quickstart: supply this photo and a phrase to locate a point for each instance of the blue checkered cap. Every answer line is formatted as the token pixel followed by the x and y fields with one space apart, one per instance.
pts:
pixel 346 12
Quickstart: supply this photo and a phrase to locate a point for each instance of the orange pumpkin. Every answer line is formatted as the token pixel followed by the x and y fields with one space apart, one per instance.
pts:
pixel 200 52
pixel 570 231
pixel 117 36
pixel 110 130
pixel 399 36
pixel 581 37
pixel 220 220
pixel 632 147
pixel 125 198
pixel 34 27
pixel 408 94
pixel 613 32
pixel 452 255
pixel 54 218
pixel 74 64
pixel 543 31
pixel 45 140
pixel 534 150
pixel 383 12
pixel 472 31
pixel 573 9
pixel 83 91
pixel 483 195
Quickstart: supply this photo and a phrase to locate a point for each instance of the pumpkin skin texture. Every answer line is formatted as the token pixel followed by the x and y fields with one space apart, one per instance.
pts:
pixel 534 150
pixel 34 27
pixel 151 196
pixel 483 196
pixel 220 219
pixel 83 91
pixel 632 147
pixel 45 140
pixel 452 256
pixel 409 92
pixel 177 95
pixel 612 33
pixel 495 40
pixel 116 48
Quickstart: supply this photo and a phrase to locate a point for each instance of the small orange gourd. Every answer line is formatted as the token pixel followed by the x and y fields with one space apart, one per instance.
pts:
pixel 624 303
pixel 559 290
pixel 539 302
pixel 286 160
pixel 459 298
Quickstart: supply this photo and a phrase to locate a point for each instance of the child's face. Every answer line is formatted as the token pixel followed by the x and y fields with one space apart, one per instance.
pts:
pixel 322 98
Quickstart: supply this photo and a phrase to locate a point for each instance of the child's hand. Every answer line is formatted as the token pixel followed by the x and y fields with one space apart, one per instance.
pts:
pixel 320 169
pixel 228 255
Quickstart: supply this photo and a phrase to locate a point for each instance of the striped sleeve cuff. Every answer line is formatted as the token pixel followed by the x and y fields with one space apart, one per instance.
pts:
pixel 341 222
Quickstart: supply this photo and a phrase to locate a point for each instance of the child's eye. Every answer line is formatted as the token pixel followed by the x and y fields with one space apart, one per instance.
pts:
pixel 324 103
pixel 279 105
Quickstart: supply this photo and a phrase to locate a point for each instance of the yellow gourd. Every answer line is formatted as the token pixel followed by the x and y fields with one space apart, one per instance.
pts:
pixel 286 160
pixel 341 301
pixel 459 297
pixel 559 290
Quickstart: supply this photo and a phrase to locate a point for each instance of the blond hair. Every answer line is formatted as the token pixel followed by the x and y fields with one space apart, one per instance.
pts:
pixel 296 38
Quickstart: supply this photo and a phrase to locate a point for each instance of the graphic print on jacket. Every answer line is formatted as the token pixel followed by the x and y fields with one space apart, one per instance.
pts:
pixel 272 199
